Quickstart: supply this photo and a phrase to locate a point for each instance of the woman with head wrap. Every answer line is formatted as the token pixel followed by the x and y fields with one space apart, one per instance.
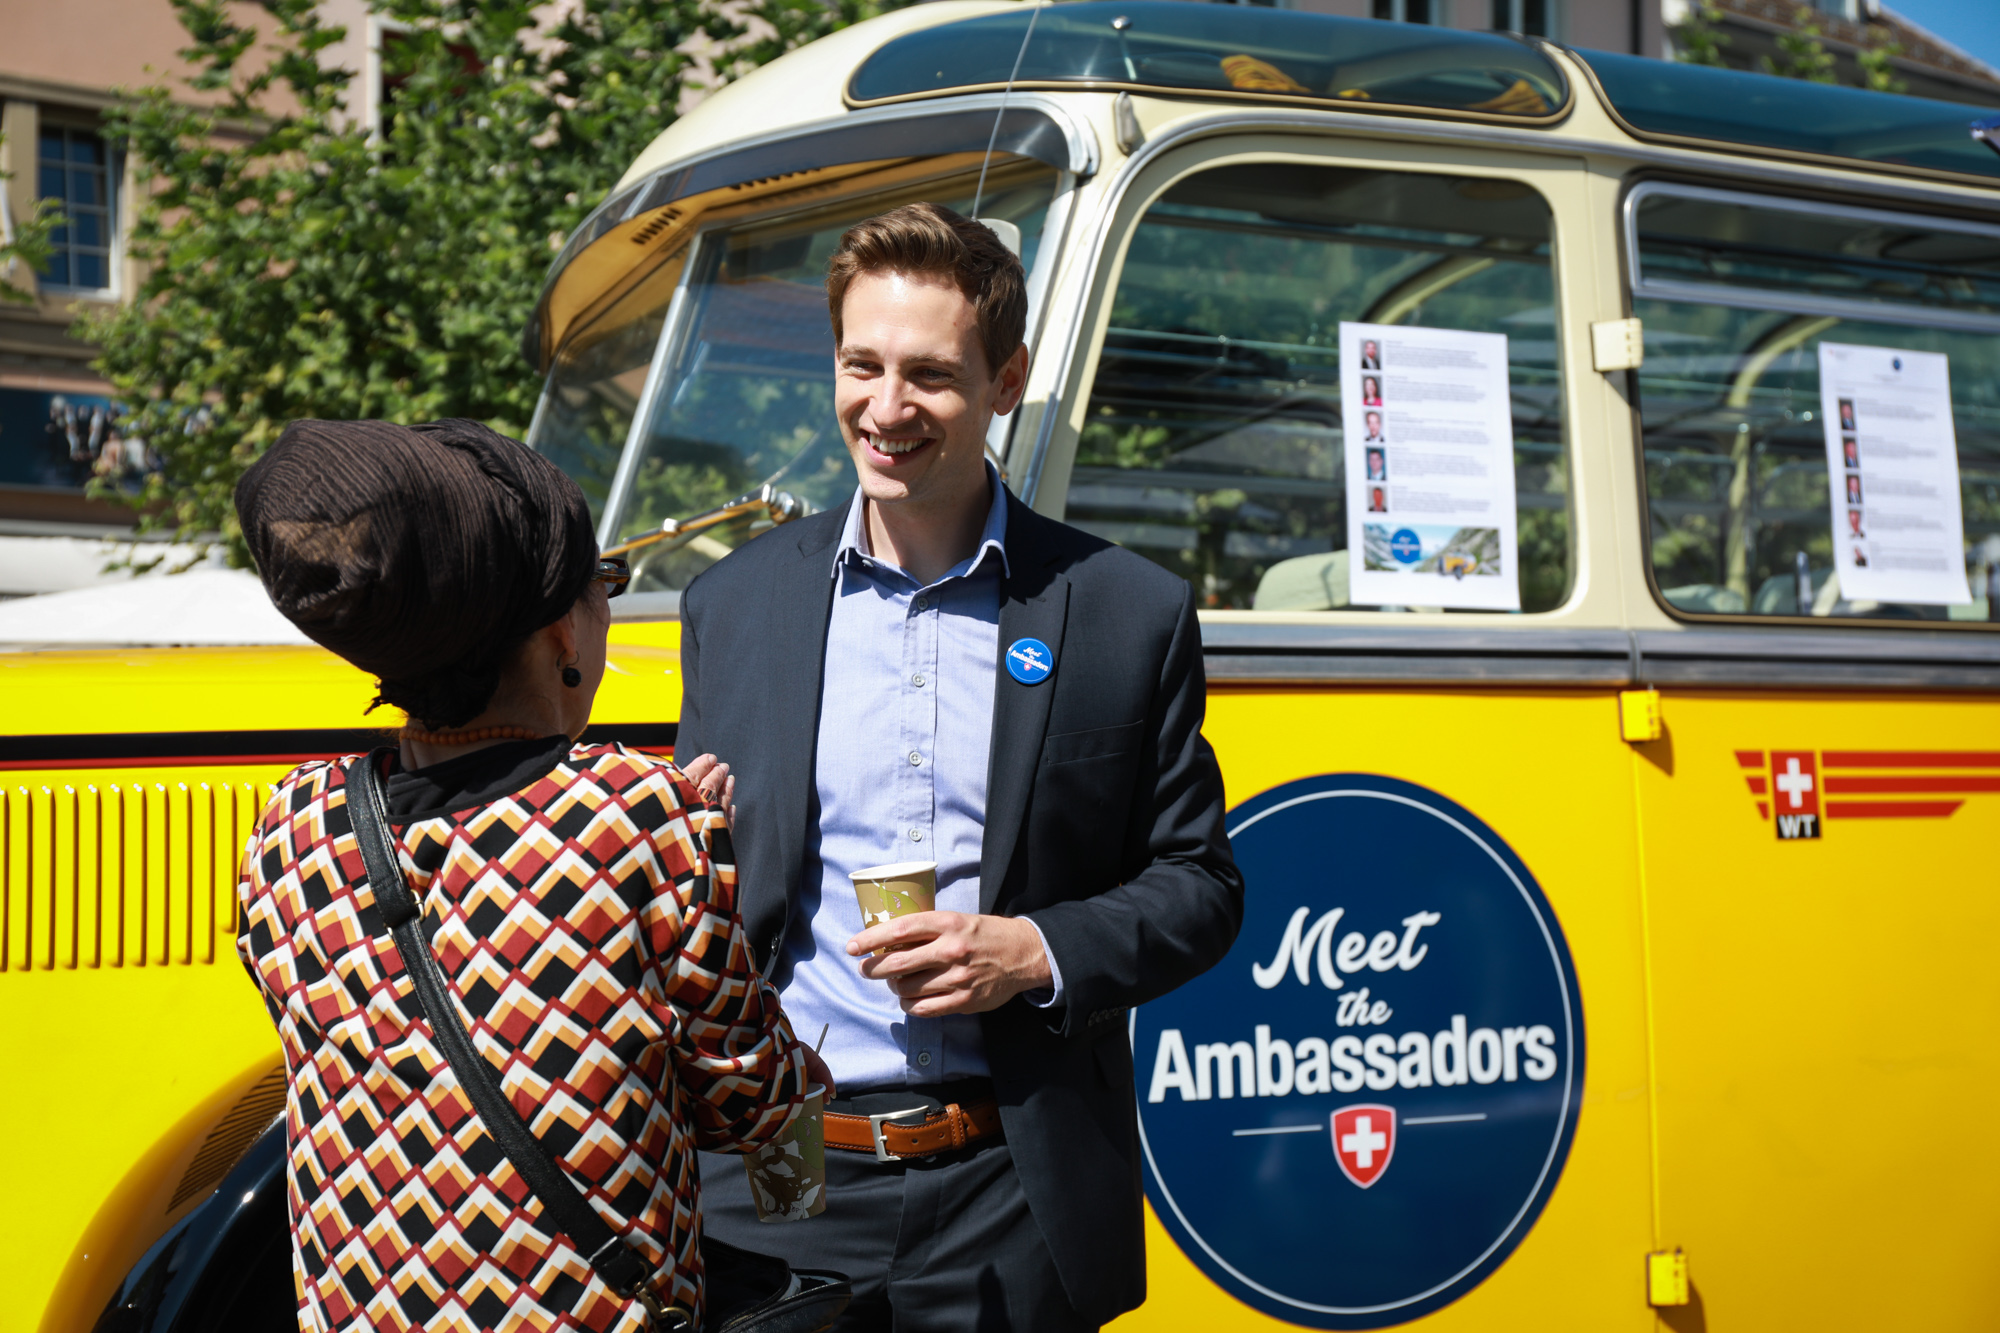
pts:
pixel 579 898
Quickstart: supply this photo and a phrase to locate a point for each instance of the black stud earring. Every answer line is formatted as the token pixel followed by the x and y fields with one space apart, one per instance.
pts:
pixel 572 677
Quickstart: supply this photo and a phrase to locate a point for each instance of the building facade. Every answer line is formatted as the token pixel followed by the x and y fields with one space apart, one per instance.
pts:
pixel 62 66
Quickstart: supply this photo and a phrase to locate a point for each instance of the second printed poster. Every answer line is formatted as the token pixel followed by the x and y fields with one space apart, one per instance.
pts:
pixel 1430 467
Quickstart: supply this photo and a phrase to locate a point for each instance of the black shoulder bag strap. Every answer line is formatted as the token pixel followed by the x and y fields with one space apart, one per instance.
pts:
pixel 623 1269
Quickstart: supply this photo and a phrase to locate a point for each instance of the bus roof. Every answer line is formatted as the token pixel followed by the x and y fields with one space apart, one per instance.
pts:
pixel 1224 51
pixel 820 110
pixel 1660 99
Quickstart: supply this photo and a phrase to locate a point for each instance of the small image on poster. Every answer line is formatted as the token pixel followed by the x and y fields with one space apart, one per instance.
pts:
pixel 1430 467
pixel 1892 475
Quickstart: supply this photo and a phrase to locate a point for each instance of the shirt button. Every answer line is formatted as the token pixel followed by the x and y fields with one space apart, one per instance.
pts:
pixel 924 1058
pixel 916 758
pixel 916 835
pixel 923 603
pixel 917 681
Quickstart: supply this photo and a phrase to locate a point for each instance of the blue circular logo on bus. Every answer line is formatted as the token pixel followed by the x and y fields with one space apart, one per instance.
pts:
pixel 1406 546
pixel 1355 1117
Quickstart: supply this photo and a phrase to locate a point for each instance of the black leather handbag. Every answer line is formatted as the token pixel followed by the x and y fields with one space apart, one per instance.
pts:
pixel 748 1291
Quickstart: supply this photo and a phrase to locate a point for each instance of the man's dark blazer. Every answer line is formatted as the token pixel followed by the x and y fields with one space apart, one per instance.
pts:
pixel 1104 823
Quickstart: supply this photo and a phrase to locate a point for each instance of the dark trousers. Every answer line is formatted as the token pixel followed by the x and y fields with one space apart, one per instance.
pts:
pixel 933 1245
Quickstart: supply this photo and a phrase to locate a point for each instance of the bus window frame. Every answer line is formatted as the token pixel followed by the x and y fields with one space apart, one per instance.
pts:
pixel 1947 212
pixel 764 160
pixel 1246 137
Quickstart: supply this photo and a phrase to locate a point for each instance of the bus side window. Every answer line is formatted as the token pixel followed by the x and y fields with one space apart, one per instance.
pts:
pixel 1736 294
pixel 1212 442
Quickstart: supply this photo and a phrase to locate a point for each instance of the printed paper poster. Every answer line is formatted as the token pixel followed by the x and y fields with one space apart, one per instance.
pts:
pixel 1430 467
pixel 1892 475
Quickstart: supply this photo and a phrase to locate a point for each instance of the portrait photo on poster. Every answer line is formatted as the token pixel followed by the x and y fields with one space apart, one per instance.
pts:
pixel 1892 475
pixel 1445 533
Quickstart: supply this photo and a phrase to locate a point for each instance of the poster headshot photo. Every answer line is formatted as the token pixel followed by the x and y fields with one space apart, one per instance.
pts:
pixel 1378 500
pixel 1850 452
pixel 1378 463
pixel 1854 523
pixel 1860 557
pixel 1371 391
pixel 1847 414
pixel 1371 354
pixel 1373 420
pixel 1854 488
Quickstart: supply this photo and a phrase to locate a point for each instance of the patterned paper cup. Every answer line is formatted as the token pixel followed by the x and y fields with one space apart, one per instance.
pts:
pixel 788 1174
pixel 887 892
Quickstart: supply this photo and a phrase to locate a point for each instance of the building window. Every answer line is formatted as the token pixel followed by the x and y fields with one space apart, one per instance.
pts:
pixel 1404 11
pixel 76 173
pixel 1529 17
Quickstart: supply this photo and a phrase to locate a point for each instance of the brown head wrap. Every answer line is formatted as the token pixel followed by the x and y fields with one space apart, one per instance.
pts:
pixel 422 554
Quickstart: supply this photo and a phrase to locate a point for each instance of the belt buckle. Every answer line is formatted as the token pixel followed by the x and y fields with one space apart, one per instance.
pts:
pixel 882 1153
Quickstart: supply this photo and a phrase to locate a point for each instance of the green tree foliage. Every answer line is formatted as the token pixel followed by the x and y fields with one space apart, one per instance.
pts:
pixel 24 246
pixel 1801 54
pixel 300 266
pixel 1699 40
pixel 1876 71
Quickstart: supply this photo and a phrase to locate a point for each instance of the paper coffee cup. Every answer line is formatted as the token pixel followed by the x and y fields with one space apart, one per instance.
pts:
pixel 887 892
pixel 788 1174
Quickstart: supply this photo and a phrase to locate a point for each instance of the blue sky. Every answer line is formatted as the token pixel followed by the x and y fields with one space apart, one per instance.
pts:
pixel 1973 26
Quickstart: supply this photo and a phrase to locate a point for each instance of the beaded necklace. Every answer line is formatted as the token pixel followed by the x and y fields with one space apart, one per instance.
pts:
pixel 470 737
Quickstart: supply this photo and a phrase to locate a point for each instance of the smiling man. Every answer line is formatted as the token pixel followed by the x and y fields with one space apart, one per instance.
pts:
pixel 935 672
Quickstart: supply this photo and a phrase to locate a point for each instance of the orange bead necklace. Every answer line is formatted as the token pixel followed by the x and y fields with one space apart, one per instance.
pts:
pixel 422 737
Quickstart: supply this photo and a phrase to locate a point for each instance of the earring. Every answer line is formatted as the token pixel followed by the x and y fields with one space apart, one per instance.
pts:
pixel 572 677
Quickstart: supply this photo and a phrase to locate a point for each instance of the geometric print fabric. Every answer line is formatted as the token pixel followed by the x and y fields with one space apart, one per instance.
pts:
pixel 587 927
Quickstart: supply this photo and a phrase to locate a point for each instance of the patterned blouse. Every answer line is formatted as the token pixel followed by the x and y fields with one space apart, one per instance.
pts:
pixel 586 920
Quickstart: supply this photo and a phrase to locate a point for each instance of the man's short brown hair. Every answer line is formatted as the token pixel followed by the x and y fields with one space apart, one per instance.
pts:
pixel 931 239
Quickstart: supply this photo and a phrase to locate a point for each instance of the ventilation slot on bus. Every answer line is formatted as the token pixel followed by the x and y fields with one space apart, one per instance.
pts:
pixel 666 218
pixel 123 874
pixel 232 1136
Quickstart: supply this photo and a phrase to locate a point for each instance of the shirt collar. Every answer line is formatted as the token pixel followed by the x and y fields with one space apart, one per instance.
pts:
pixel 992 538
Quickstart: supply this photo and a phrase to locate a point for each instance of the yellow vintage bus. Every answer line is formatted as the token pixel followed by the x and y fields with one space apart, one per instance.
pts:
pixel 1621 895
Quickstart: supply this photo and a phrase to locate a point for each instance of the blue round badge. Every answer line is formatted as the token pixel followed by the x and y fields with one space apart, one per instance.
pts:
pixel 1354 1118
pixel 1030 661
pixel 1406 546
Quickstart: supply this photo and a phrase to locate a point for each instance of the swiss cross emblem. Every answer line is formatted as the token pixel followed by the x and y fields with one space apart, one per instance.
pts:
pixel 1364 1138
pixel 1795 794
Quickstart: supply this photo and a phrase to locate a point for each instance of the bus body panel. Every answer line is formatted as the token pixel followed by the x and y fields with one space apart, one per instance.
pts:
pixel 1824 1006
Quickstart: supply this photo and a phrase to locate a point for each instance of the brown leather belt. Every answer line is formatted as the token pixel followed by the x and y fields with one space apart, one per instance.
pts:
pixel 917 1132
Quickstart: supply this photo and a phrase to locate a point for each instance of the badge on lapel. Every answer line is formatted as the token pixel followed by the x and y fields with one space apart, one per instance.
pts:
pixel 1030 661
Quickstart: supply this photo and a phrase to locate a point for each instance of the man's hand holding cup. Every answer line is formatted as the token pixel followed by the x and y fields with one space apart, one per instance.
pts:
pixel 940 963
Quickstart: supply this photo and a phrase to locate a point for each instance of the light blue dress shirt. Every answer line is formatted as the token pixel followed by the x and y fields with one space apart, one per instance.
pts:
pixel 905 728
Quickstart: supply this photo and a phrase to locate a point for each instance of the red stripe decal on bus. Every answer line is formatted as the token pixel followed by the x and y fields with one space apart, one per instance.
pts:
pixel 1891 809
pixel 1910 759
pixel 1880 785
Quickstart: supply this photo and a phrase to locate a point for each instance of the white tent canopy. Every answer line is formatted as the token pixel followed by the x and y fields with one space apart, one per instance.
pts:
pixel 202 606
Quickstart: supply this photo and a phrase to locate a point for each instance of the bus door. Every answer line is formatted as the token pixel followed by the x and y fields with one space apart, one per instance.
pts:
pixel 1374 1109
pixel 1819 817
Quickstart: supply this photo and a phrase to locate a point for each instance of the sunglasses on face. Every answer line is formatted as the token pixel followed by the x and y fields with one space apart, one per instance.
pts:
pixel 614 573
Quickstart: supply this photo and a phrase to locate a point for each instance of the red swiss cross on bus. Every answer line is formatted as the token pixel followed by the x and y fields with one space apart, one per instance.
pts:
pixel 1795 794
pixel 1364 1138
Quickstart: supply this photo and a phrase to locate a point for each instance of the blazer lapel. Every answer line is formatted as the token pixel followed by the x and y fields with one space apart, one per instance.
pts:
pixel 795 619
pixel 1034 604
